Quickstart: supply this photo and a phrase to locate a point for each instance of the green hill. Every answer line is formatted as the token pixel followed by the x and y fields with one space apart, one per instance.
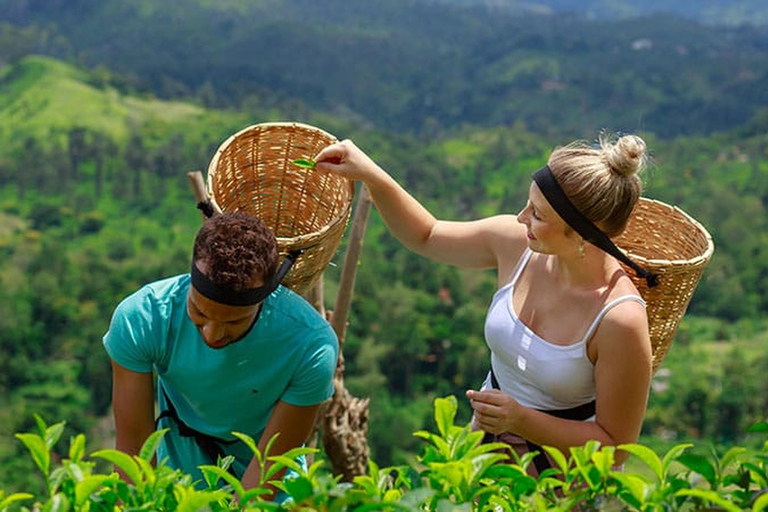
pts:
pixel 44 99
pixel 419 67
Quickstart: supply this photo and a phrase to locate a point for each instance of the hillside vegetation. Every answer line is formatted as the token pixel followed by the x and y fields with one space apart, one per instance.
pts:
pixel 417 67
pixel 94 200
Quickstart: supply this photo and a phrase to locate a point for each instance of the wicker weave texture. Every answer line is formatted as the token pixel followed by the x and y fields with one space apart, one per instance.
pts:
pixel 253 172
pixel 667 241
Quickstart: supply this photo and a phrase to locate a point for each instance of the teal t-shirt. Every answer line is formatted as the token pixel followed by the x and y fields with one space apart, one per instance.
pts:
pixel 289 354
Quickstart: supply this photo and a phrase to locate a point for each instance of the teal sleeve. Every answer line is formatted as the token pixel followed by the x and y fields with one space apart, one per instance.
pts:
pixel 132 333
pixel 313 382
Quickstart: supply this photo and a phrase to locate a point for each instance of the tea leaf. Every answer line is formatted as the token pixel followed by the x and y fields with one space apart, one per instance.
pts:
pixel 603 460
pixel 445 412
pixel 41 425
pixel 13 498
pixel 700 465
pixel 759 427
pixel 304 163
pixel 280 462
pixel 192 501
pixel 226 476
pixel 298 488
pixel 761 503
pixel 710 496
pixel 558 457
pixel 673 454
pixel 77 448
pixel 88 486
pixel 635 485
pixel 38 450
pixel 251 444
pixel 150 477
pixel 53 433
pixel 123 461
pixel 150 446
pixel 731 455
pixel 646 455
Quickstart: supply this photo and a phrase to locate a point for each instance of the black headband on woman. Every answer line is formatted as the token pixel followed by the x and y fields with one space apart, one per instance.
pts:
pixel 247 297
pixel 582 225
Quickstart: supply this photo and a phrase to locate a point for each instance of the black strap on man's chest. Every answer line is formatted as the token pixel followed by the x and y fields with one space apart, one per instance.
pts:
pixel 580 413
pixel 210 445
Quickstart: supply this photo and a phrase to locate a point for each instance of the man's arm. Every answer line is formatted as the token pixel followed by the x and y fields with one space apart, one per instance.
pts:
pixel 294 425
pixel 133 408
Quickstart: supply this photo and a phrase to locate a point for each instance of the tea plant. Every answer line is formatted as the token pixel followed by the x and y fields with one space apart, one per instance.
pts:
pixel 455 472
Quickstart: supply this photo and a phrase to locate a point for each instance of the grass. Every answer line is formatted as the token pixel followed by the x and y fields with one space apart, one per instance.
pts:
pixel 43 98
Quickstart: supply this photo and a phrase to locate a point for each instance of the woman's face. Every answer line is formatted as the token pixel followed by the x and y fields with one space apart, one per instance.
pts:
pixel 547 231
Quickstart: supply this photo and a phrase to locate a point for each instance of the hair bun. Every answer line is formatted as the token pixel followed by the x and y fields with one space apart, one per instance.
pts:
pixel 626 156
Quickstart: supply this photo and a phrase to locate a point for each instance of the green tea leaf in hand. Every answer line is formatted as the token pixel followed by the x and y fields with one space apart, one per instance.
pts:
pixel 303 162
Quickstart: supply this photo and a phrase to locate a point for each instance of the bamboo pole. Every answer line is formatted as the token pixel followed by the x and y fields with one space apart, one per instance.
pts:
pixel 345 418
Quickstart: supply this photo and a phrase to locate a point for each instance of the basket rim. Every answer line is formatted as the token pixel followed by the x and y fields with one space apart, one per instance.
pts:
pixel 272 124
pixel 341 217
pixel 701 259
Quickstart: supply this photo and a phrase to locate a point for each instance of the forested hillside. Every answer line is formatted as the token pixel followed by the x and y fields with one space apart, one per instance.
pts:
pixel 94 147
pixel 712 12
pixel 415 66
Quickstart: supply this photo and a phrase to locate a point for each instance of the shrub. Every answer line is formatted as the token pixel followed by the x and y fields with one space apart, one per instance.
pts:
pixel 455 472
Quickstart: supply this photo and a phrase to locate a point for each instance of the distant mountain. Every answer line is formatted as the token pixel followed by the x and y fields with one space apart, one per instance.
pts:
pixel 417 66
pixel 710 12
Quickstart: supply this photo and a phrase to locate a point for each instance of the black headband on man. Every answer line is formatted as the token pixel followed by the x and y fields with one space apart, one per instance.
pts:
pixel 582 225
pixel 247 297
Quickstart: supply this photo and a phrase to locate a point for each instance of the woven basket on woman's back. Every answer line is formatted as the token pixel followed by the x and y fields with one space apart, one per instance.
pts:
pixel 253 172
pixel 666 241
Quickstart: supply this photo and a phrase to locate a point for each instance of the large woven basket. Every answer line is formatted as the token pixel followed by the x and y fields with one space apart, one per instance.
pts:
pixel 667 241
pixel 253 172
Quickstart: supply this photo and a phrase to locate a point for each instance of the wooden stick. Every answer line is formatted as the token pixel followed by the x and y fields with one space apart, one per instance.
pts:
pixel 349 270
pixel 198 188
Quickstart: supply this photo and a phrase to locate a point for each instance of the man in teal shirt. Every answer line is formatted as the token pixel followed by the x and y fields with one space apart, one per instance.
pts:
pixel 233 351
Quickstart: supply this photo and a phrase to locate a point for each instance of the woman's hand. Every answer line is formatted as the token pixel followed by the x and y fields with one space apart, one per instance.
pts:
pixel 348 160
pixel 495 411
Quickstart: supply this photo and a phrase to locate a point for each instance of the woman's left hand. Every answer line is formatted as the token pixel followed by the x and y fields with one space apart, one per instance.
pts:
pixel 495 411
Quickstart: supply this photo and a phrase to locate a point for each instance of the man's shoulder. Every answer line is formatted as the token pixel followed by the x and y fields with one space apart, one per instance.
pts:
pixel 287 302
pixel 289 307
pixel 161 295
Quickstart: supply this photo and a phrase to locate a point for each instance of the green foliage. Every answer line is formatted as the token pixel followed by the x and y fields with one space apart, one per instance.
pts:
pixel 454 473
pixel 495 66
pixel 94 201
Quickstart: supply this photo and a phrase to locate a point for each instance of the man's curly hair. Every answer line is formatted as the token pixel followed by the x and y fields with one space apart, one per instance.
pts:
pixel 236 249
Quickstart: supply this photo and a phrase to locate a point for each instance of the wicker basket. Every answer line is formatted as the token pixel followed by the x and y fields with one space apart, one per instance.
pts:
pixel 308 211
pixel 667 241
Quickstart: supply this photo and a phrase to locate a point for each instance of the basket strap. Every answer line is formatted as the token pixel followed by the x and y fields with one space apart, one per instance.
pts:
pixel 206 207
pixel 288 262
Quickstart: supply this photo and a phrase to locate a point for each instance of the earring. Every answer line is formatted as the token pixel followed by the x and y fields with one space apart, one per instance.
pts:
pixel 582 250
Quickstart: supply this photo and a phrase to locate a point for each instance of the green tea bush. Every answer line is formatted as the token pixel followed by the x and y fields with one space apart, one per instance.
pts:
pixel 454 473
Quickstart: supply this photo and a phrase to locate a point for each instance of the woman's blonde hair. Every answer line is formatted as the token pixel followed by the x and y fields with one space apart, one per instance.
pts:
pixel 602 182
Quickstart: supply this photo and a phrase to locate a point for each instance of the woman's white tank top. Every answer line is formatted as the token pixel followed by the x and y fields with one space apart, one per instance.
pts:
pixel 535 372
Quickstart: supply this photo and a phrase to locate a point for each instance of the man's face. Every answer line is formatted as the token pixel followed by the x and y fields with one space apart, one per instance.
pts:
pixel 220 324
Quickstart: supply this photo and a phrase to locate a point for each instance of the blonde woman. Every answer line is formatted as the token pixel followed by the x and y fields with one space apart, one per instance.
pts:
pixel 567 329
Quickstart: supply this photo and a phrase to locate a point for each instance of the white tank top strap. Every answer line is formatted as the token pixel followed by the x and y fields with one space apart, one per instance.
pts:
pixel 521 263
pixel 606 309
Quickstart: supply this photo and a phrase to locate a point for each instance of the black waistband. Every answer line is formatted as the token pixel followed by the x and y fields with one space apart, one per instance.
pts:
pixel 580 412
pixel 210 445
